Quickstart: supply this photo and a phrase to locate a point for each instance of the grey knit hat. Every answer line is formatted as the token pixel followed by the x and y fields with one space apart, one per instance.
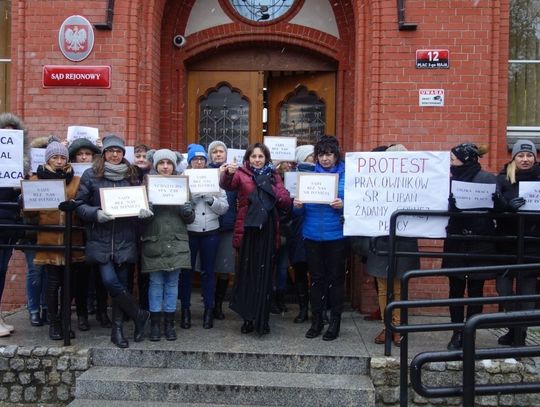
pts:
pixel 523 146
pixel 56 148
pixel 111 141
pixel 303 152
pixel 155 156
pixel 213 145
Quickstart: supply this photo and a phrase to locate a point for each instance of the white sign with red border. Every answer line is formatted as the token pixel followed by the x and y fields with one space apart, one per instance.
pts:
pixel 430 97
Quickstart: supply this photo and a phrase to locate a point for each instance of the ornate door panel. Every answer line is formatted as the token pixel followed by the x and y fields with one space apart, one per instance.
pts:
pixel 225 106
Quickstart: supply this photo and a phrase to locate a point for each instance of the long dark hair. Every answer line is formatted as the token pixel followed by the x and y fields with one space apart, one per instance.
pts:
pixel 263 148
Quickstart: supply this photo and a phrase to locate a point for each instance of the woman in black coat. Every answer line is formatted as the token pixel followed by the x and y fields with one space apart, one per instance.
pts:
pixel 466 168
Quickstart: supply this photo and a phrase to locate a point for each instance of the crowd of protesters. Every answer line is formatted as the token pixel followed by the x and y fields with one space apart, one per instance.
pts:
pixel 251 229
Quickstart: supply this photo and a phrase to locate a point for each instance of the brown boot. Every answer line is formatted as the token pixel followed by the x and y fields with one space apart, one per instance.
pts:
pixel 379 339
pixel 396 338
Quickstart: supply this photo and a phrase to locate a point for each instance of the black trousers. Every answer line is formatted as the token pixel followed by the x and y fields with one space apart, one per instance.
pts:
pixel 55 281
pixel 475 288
pixel 326 260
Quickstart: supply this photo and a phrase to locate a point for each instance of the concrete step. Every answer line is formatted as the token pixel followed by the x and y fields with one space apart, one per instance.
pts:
pixel 131 403
pixel 247 361
pixel 224 387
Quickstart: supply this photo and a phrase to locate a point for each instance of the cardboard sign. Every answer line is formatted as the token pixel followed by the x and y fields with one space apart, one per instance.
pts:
pixel 123 201
pixel 472 195
pixel 77 132
pixel 43 194
pixel 37 158
pixel 168 189
pixel 290 180
pixel 530 190
pixel 79 168
pixel 11 157
pixel 379 183
pixel 281 148
pixel 203 181
pixel 317 187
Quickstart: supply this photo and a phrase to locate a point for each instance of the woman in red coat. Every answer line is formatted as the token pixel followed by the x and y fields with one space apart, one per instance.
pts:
pixel 256 233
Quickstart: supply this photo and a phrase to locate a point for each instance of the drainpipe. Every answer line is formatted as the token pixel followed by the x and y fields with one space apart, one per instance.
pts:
pixel 402 25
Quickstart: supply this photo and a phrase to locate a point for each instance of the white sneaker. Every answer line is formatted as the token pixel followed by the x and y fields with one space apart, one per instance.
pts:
pixel 4 331
pixel 11 328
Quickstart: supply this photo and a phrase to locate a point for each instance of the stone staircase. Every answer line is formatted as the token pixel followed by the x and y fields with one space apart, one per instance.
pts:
pixel 162 376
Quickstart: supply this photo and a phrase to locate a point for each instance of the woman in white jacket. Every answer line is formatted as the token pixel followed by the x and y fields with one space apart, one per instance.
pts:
pixel 203 241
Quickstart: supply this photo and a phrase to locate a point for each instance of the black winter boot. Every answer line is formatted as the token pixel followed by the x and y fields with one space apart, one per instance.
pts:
pixel 302 316
pixel 55 327
pixel 316 326
pixel 333 328
pixel 155 326
pixel 208 318
pixel 280 299
pixel 104 320
pixel 274 306
pixel 170 332
pixel 456 342
pixel 219 297
pixel 117 333
pixel 44 316
pixel 139 316
pixel 185 318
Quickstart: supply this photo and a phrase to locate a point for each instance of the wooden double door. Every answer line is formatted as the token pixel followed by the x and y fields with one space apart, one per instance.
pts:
pixel 241 107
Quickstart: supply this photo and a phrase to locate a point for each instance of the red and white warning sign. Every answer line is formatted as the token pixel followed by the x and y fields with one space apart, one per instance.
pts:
pixel 430 97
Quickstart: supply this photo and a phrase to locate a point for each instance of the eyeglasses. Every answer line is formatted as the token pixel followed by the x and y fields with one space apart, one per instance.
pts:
pixel 114 151
pixel 198 159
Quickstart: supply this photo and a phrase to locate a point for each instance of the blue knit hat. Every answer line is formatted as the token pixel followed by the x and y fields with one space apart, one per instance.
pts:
pixel 195 150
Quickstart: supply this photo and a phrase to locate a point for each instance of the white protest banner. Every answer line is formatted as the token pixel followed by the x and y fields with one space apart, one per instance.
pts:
pixel 316 187
pixel 37 158
pixel 79 168
pixel 233 153
pixel 130 154
pixel 11 157
pixel 77 132
pixel 43 194
pixel 379 183
pixel 281 148
pixel 473 195
pixel 290 181
pixel 530 190
pixel 168 189
pixel 123 201
pixel 203 181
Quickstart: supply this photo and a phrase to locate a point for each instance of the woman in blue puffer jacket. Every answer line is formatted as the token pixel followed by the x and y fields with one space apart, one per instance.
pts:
pixel 325 245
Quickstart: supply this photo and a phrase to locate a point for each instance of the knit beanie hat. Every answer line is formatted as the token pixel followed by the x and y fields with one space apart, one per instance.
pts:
pixel 522 146
pixel 215 144
pixel 396 147
pixel 111 141
pixel 303 152
pixel 195 150
pixel 56 148
pixel 466 152
pixel 155 156
pixel 82 143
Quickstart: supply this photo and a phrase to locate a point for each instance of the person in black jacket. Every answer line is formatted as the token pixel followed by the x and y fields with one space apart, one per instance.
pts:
pixel 465 167
pixel 523 167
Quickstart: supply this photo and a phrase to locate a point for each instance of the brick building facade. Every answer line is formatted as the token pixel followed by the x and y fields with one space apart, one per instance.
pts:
pixel 156 86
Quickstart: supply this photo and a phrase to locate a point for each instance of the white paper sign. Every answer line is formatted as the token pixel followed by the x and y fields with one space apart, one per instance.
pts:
pixel 130 154
pixel 281 148
pixel 472 195
pixel 379 183
pixel 43 194
pixel 203 181
pixel 430 97
pixel 123 201
pixel 290 180
pixel 77 132
pixel 37 158
pixel 317 187
pixel 11 157
pixel 79 168
pixel 233 153
pixel 168 189
pixel 530 190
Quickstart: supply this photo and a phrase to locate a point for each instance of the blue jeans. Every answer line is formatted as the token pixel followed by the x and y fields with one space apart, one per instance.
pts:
pixel 36 283
pixel 163 291
pixel 207 246
pixel 115 277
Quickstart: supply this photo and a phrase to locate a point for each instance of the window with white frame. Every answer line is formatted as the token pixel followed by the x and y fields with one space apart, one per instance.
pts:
pixel 5 53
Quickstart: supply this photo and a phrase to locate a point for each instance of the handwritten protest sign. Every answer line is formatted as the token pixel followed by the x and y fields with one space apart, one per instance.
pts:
pixel 168 189
pixel 317 188
pixel 123 201
pixel 472 195
pixel 290 181
pixel 37 158
pixel 203 181
pixel 130 154
pixel 77 132
pixel 233 153
pixel 43 195
pixel 530 190
pixel 79 168
pixel 379 183
pixel 11 157
pixel 281 148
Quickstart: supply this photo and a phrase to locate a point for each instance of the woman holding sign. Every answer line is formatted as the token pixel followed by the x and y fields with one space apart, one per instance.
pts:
pixel 465 167
pixel 325 245
pixel 523 167
pixel 112 242
pixel 261 194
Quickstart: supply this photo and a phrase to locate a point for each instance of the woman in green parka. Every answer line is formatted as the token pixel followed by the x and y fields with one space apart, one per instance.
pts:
pixel 165 249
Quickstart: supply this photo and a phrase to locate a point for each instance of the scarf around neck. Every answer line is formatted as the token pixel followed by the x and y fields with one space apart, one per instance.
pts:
pixel 47 172
pixel 466 172
pixel 264 170
pixel 115 172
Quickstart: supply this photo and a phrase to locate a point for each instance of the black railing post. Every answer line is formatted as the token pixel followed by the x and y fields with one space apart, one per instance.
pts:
pixel 390 284
pixel 66 289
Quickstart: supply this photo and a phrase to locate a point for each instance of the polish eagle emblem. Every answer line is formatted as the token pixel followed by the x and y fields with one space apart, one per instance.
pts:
pixel 75 38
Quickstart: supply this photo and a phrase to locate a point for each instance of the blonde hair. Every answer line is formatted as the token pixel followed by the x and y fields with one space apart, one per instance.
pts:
pixel 511 172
